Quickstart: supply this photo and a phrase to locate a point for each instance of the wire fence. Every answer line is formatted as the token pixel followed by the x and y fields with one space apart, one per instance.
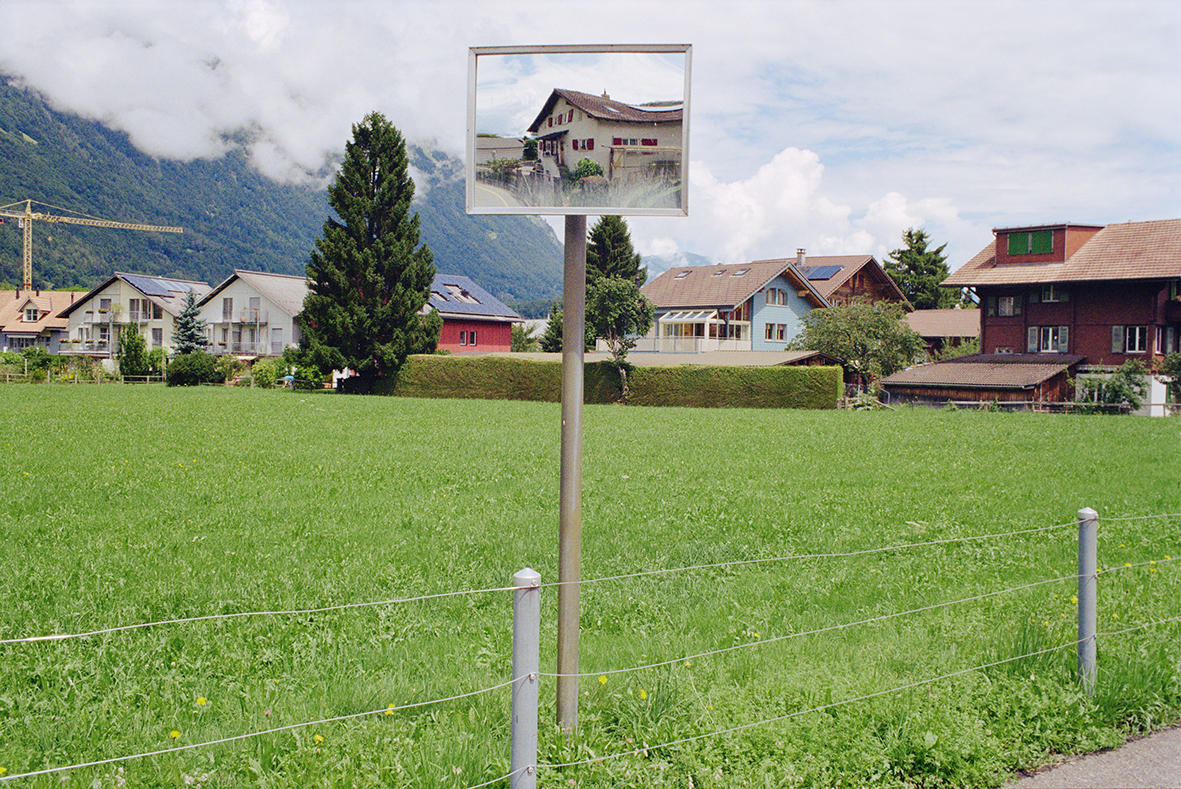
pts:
pixel 528 771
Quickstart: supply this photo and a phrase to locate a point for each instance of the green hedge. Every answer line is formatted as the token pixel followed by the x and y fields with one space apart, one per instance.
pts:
pixel 505 378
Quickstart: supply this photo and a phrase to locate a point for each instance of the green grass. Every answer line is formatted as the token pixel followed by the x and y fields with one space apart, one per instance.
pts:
pixel 128 504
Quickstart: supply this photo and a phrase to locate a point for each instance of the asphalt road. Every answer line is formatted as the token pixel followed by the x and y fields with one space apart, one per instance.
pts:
pixel 1150 762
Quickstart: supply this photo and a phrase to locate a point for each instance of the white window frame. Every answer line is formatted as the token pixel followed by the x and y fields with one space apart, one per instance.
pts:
pixel 1130 334
pixel 1001 302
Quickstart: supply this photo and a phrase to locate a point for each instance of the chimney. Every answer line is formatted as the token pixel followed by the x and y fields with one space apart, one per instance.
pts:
pixel 605 96
pixel 38 291
pixel 800 256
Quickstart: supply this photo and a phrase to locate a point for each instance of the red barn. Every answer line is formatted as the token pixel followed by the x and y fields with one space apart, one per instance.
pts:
pixel 474 321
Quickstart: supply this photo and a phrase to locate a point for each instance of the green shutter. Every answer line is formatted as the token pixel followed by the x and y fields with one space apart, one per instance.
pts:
pixel 1016 305
pixel 1041 242
pixel 1117 339
pixel 1031 339
pixel 1063 339
pixel 1018 243
pixel 1064 296
pixel 990 306
pixel 1035 296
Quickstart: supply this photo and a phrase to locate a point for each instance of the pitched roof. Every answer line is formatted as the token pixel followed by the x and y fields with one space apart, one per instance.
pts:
pixel 945 323
pixel 1127 251
pixel 608 109
pixel 722 286
pixel 166 292
pixel 986 371
pixel 455 294
pixel 286 291
pixel 48 302
pixel 819 271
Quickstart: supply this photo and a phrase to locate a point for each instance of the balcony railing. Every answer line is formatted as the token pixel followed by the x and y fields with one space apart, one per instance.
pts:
pixel 247 315
pixel 689 344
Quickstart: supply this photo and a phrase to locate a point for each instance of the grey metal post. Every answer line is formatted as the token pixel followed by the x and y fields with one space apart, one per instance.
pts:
pixel 526 664
pixel 1088 528
pixel 570 491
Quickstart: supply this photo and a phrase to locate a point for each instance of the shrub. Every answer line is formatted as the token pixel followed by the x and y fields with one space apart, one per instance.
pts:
pixel 132 352
pixel 308 377
pixel 192 369
pixel 228 367
pixel 502 378
pixel 264 372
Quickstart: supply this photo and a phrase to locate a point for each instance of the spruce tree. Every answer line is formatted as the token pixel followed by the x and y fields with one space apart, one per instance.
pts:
pixel 918 271
pixel 368 277
pixel 189 333
pixel 609 252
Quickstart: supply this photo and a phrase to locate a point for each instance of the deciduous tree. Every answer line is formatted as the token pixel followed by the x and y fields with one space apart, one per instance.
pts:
pixel 368 277
pixel 132 352
pixel 870 340
pixel 616 312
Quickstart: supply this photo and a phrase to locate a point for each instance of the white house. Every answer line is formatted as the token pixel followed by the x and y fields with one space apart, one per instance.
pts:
pixel 147 303
pixel 252 313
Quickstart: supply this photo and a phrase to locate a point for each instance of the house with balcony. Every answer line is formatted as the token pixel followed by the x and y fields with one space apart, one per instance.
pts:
pixel 30 318
pixel 624 139
pixel 148 304
pixel 1089 297
pixel 253 313
pixel 756 306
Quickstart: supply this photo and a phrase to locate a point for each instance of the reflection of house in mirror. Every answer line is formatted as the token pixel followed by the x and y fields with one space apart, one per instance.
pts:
pixel 490 146
pixel 623 139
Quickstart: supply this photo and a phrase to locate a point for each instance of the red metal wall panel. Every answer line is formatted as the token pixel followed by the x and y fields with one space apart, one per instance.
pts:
pixel 491 336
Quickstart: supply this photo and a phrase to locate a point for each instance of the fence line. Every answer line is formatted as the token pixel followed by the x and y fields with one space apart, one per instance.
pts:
pixel 457 593
pixel 821 708
pixel 1144 517
pixel 846 625
pixel 383 711
pixel 795 556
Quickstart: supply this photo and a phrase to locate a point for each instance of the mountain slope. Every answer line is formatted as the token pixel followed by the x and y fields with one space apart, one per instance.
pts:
pixel 232 216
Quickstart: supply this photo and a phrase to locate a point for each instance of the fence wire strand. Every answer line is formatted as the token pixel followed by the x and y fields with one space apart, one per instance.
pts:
pixel 245 614
pixel 504 777
pixel 1140 517
pixel 846 625
pixel 798 556
pixel 249 735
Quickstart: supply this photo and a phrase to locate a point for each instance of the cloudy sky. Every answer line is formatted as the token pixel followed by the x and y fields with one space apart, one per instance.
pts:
pixel 826 125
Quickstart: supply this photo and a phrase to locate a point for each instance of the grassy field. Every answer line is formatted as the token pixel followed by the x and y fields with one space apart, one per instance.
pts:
pixel 129 504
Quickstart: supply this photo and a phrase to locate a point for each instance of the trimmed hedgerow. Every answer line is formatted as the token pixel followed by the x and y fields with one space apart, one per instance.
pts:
pixel 503 378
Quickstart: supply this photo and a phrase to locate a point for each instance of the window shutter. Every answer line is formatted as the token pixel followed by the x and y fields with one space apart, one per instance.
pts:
pixel 1117 339
pixel 590 144
pixel 990 306
pixel 574 144
pixel 1031 339
pixel 1064 296
pixel 1041 242
pixel 1017 305
pixel 1035 296
pixel 1063 339
pixel 617 141
pixel 1018 243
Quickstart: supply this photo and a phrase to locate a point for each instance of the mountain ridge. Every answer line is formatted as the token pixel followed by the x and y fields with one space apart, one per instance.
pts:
pixel 232 215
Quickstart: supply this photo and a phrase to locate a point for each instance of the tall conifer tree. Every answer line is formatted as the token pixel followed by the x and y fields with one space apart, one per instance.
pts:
pixel 918 271
pixel 189 334
pixel 368 277
pixel 609 252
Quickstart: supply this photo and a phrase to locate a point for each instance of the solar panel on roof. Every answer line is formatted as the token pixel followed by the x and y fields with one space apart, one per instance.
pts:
pixel 821 272
pixel 149 286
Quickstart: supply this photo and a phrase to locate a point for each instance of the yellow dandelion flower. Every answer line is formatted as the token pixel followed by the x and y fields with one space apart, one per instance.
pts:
pixel 201 701
pixel 1115 616
pixel 3 770
pixel 1152 562
pixel 1127 564
pixel 174 734
pixel 1152 569
pixel 389 710
pixel 318 739
pixel 602 680
pixel 643 693
pixel 1074 599
pixel 1167 556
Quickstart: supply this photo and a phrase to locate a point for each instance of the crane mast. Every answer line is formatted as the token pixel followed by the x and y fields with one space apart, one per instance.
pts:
pixel 27 216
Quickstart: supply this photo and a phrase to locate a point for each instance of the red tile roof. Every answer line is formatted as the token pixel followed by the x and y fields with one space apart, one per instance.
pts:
pixel 720 286
pixel 850 265
pixel 1128 251
pixel 607 109
pixel 12 310
pixel 945 323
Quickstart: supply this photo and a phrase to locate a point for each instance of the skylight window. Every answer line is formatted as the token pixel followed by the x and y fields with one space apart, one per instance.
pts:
pixel 720 272
pixel 739 272
pixel 681 275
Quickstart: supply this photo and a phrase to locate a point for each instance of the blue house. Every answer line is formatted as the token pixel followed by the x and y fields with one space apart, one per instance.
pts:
pixel 756 306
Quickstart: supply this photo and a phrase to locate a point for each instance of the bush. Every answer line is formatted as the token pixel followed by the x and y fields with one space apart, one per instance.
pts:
pixel 192 369
pixel 501 378
pixel 265 372
pixel 228 367
pixel 308 377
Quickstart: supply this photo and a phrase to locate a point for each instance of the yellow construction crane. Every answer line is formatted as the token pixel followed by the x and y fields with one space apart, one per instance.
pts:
pixel 27 216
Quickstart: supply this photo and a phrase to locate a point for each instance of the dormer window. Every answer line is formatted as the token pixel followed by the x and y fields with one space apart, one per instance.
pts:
pixel 1031 242
pixel 32 315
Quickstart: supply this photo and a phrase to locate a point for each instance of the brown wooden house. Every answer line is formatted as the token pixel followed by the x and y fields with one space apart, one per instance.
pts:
pixel 843 279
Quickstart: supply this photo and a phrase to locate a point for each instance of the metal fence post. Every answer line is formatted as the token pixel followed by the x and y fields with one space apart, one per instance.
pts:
pixel 526 664
pixel 1088 528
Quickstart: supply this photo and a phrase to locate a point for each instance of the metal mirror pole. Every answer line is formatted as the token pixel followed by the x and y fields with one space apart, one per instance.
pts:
pixel 570 492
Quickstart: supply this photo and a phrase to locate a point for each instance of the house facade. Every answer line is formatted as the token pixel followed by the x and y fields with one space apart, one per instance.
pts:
pixel 624 139
pixel 30 318
pixel 844 279
pixel 253 313
pixel 1106 293
pixel 945 328
pixel 755 306
pixel 147 304
pixel 474 321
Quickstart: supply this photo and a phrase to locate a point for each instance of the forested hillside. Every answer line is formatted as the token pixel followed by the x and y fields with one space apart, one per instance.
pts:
pixel 232 216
